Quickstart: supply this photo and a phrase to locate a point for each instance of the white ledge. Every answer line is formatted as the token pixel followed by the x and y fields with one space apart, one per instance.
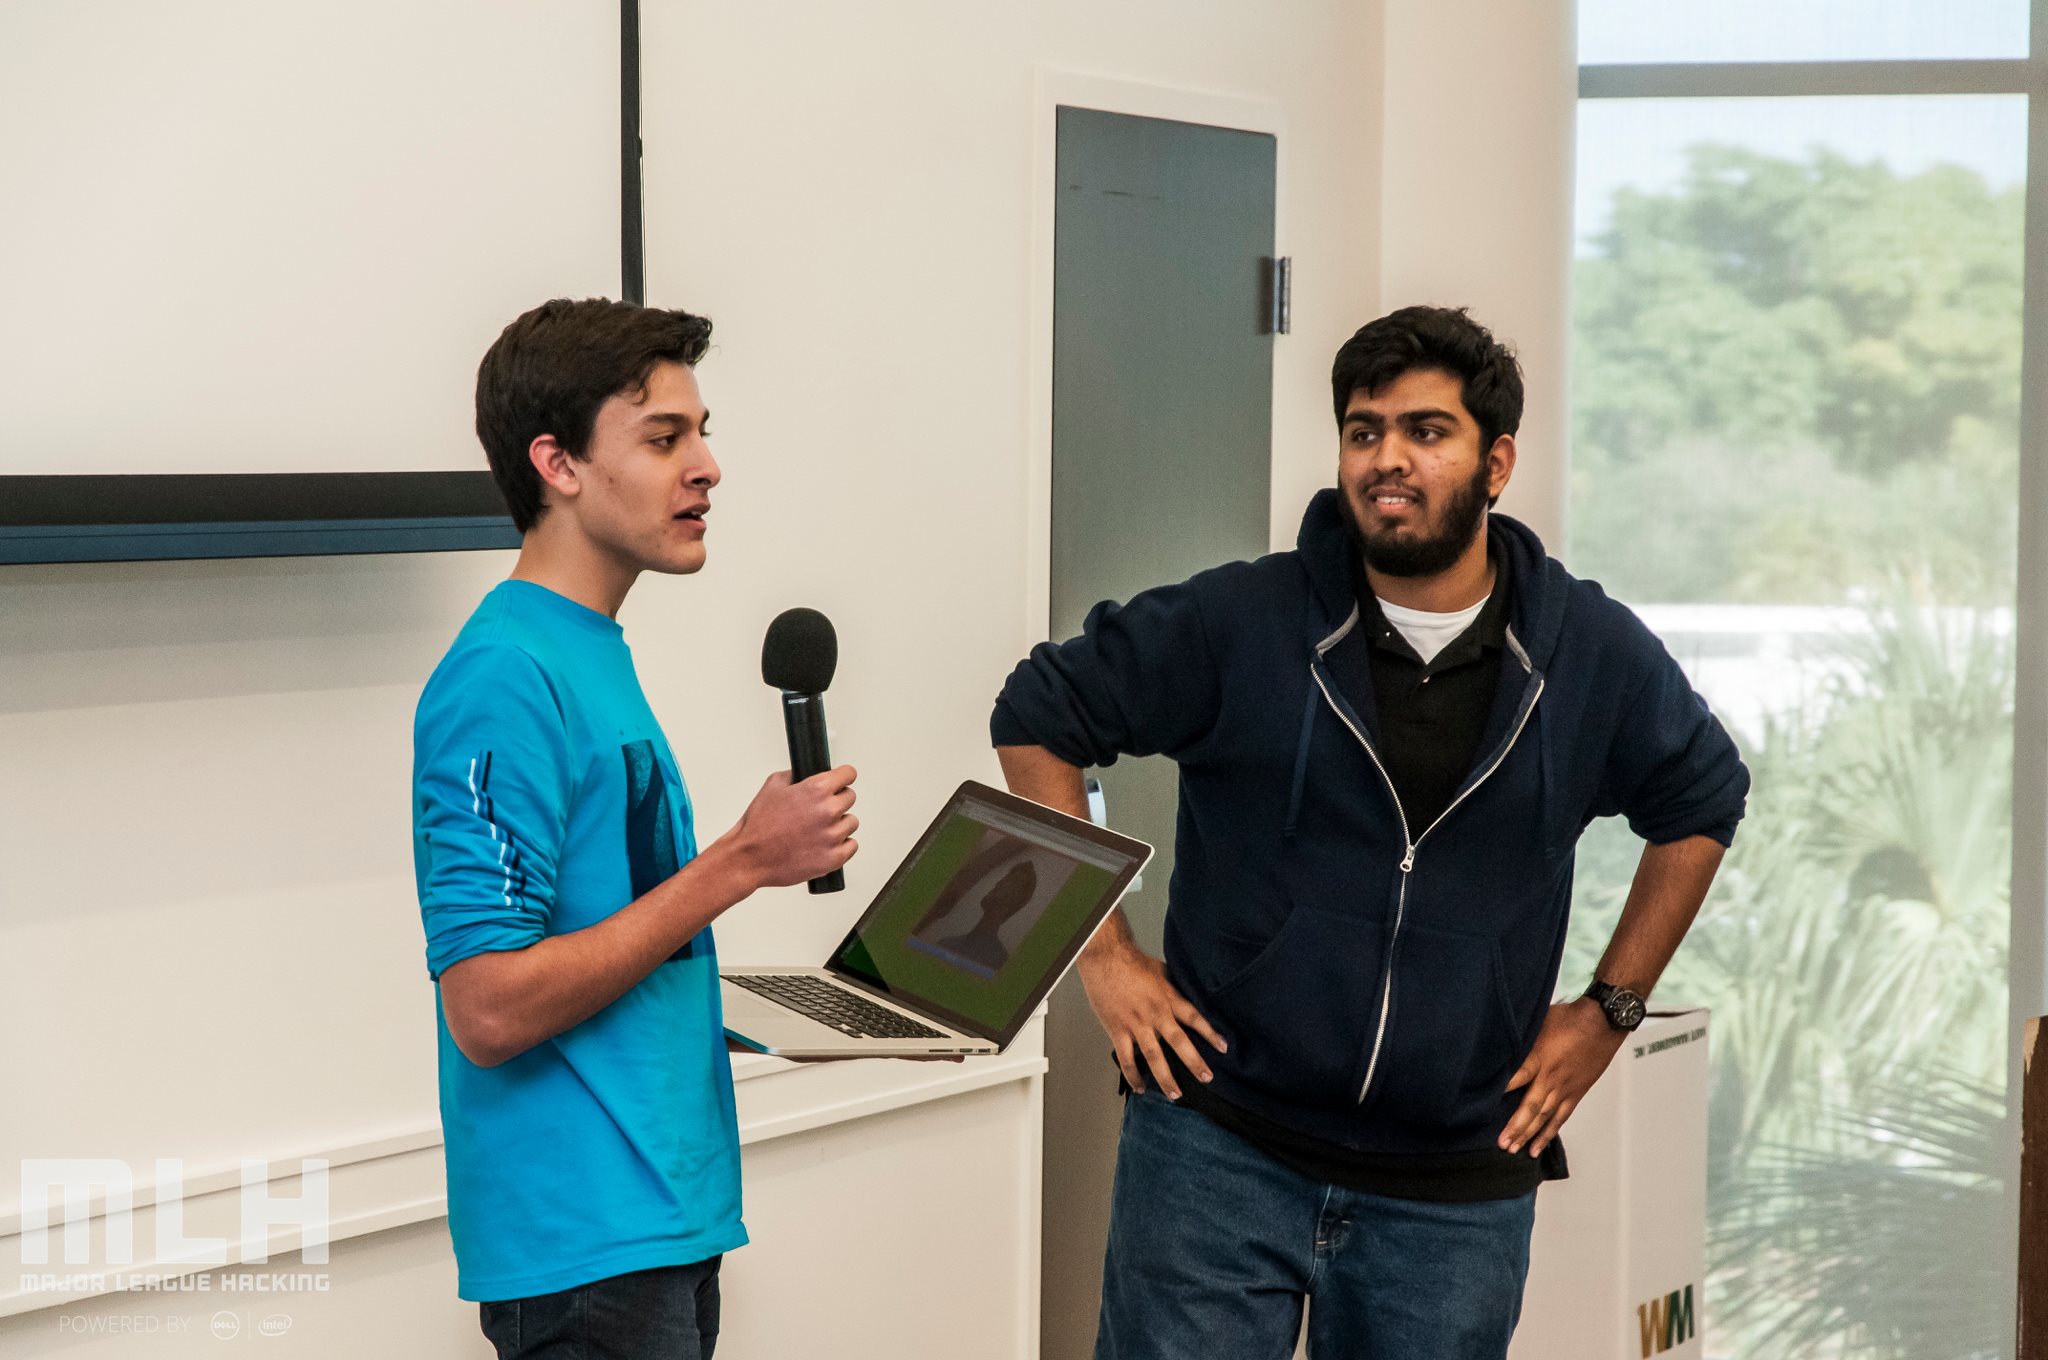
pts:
pixel 397 1179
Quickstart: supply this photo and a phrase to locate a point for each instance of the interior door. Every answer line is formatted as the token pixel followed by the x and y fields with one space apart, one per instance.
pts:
pixel 1162 450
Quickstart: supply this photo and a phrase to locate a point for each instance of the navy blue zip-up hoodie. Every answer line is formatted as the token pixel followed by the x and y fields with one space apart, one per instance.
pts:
pixel 1378 982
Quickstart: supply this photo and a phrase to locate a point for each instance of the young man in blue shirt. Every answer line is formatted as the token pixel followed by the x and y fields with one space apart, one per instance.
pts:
pixel 586 1096
pixel 1348 1073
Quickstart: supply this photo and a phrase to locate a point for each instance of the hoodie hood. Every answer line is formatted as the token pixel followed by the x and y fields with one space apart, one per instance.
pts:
pixel 1539 583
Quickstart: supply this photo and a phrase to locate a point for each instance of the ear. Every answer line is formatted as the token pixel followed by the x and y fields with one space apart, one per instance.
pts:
pixel 1500 465
pixel 557 469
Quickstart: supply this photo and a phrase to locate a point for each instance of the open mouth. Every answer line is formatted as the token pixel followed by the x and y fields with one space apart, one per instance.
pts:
pixel 692 516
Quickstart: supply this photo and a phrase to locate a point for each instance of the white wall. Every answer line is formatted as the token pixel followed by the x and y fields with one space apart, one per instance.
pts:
pixel 206 901
pixel 367 226
pixel 1479 106
pixel 849 194
pixel 206 907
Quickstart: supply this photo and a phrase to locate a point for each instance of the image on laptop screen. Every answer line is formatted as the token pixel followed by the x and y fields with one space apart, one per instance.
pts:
pixel 986 908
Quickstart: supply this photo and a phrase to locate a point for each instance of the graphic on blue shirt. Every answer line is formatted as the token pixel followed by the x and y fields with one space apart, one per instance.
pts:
pixel 650 833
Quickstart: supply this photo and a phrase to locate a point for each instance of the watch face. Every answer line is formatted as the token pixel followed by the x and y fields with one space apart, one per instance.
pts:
pixel 1625 1009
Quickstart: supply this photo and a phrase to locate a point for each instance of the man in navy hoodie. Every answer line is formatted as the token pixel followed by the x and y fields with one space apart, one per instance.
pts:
pixel 1347 1075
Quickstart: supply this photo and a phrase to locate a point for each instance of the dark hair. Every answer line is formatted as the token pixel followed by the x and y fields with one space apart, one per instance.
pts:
pixel 1435 337
pixel 549 371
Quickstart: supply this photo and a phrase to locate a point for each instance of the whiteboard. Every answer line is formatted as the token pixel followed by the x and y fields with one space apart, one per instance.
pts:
pixel 244 236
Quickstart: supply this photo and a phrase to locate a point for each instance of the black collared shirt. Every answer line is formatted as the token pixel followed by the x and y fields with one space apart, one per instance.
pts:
pixel 1430 717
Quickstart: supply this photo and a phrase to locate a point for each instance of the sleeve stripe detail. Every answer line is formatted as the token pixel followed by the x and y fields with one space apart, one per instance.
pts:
pixel 508 854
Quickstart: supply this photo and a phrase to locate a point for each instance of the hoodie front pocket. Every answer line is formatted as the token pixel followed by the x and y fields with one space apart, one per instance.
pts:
pixel 1450 1041
pixel 1298 1015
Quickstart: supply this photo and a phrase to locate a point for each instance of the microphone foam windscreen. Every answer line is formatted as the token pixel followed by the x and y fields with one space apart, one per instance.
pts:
pixel 801 652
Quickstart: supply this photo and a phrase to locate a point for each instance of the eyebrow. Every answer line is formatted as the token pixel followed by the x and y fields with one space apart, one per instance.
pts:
pixel 1405 417
pixel 676 419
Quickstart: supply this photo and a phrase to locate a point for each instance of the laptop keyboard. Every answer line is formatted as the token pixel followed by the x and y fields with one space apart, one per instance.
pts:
pixel 834 1006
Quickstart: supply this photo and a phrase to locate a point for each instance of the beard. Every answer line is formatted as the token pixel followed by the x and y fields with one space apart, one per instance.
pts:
pixel 1398 552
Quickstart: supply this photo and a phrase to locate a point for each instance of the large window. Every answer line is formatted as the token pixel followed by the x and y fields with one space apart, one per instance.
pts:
pixel 1797 423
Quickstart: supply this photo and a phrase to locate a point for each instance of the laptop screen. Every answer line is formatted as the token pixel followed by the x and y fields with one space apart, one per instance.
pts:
pixel 985 913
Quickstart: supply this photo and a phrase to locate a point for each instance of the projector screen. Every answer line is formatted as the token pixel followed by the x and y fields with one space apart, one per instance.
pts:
pixel 251 237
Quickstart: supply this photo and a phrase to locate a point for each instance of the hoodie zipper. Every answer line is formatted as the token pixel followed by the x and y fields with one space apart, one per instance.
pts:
pixel 1410 846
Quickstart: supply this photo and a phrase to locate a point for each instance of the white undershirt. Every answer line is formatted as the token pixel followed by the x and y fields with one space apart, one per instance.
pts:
pixel 1430 633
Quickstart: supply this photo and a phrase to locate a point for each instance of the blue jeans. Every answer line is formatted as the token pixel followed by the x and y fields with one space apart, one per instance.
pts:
pixel 1213 1246
pixel 670 1313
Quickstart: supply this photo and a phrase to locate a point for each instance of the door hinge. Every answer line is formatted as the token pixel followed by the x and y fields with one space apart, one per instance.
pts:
pixel 1279 295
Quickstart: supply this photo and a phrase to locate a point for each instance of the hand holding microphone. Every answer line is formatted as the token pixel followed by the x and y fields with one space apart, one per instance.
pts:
pixel 795 831
pixel 798 657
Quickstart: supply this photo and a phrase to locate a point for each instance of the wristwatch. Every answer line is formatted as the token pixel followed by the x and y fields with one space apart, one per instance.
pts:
pixel 1623 1007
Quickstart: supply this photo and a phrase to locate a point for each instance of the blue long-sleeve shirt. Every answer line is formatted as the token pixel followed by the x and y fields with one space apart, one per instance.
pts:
pixel 545 798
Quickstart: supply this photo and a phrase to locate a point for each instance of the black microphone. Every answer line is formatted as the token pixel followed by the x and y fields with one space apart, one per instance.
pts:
pixel 798 657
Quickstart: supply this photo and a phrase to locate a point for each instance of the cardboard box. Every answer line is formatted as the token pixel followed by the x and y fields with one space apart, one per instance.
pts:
pixel 1617 1267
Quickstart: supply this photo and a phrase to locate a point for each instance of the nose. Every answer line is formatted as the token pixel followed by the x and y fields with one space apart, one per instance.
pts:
pixel 1391 458
pixel 704 471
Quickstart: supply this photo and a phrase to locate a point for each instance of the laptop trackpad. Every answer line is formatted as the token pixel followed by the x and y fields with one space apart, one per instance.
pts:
pixel 767 1025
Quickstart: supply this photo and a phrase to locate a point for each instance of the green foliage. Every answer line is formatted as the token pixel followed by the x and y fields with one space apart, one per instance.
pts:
pixel 1876 1247
pixel 1707 524
pixel 1789 374
pixel 1854 955
pixel 1796 382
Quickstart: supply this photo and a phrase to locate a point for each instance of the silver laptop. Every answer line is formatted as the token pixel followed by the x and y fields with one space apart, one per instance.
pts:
pixel 989 910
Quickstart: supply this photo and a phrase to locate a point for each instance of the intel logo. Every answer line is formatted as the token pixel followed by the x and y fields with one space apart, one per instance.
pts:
pixel 277 1324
